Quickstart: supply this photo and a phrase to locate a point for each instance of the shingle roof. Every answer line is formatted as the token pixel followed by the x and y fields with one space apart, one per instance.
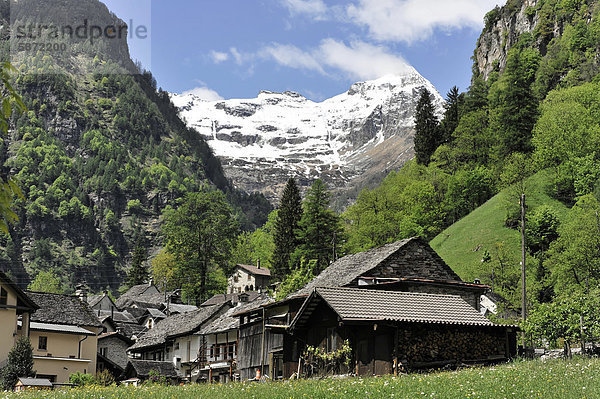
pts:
pixel 260 271
pixel 175 325
pixel 143 367
pixel 178 308
pixel 133 293
pixel 218 299
pixel 229 320
pixel 353 304
pixel 346 269
pixel 62 309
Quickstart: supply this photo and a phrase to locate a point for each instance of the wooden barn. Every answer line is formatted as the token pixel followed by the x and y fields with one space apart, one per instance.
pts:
pixel 390 331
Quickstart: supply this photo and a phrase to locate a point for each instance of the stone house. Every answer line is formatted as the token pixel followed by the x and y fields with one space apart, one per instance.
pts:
pixel 248 278
pixel 64 335
pixel 112 353
pixel 140 370
pixel 15 312
pixel 409 266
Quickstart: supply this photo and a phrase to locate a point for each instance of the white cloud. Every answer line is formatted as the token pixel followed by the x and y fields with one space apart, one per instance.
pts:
pixel 204 93
pixel 359 60
pixel 237 56
pixel 412 20
pixel 317 9
pixel 291 56
pixel 218 56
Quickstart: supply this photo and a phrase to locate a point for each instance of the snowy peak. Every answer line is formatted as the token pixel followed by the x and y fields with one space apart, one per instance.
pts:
pixel 357 136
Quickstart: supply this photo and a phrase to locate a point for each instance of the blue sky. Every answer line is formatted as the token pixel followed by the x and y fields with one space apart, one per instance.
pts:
pixel 235 48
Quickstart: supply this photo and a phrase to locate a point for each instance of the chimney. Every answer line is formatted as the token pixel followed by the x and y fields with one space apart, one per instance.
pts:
pixel 81 292
pixel 150 282
pixel 258 263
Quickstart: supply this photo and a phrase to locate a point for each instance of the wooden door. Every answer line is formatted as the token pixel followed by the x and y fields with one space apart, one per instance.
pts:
pixel 383 353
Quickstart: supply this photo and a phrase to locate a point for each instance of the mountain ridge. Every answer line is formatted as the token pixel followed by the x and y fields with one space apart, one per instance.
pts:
pixel 350 140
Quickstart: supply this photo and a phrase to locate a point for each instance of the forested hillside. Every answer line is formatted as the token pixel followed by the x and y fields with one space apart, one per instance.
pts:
pixel 532 109
pixel 100 153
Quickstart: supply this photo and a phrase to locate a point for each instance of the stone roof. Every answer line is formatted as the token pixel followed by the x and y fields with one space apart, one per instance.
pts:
pixel 142 368
pixel 354 304
pixel 175 325
pixel 349 268
pixel 175 308
pixel 116 316
pixel 62 309
pixel 229 320
pixel 116 335
pixel 133 293
pixel 155 313
pixel 257 271
pixel 93 300
pixel 218 299
pixel 130 329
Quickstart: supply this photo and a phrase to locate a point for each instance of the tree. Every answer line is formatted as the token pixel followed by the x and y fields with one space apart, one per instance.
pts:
pixel 9 187
pixel 454 101
pixel 296 279
pixel 164 271
pixel 286 225
pixel 427 129
pixel 200 234
pixel 138 274
pixel 513 106
pixel 46 281
pixel 320 232
pixel 256 245
pixel 19 363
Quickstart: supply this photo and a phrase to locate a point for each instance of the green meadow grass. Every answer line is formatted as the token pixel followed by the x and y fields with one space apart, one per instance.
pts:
pixel 578 378
pixel 462 245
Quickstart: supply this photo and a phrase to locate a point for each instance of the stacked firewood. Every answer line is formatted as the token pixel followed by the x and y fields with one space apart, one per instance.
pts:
pixel 439 344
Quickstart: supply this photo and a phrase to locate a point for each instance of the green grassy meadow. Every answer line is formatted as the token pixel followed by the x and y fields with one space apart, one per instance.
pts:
pixel 578 378
pixel 462 245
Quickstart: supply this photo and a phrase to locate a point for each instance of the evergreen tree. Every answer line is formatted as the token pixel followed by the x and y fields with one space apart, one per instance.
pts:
pixel 427 130
pixel 138 274
pixel 453 105
pixel 286 225
pixel 320 231
pixel 19 364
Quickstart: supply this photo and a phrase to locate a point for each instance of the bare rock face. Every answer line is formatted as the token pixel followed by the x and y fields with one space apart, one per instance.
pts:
pixel 502 31
pixel 350 141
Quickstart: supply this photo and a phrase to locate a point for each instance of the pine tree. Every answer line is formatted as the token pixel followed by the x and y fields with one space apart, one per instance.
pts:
pixel 286 225
pixel 138 274
pixel 320 230
pixel 427 130
pixel 454 101
pixel 19 364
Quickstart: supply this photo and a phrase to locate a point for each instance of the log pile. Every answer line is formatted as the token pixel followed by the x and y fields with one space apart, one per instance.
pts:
pixel 422 345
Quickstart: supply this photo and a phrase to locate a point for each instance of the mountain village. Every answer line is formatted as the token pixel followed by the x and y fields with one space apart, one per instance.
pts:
pixel 392 309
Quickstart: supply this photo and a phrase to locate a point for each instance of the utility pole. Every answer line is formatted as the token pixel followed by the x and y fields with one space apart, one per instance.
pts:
pixel 523 292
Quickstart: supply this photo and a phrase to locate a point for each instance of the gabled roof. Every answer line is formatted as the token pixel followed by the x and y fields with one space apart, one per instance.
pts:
pixel 23 301
pixel 35 382
pixel 59 328
pixel 142 368
pixel 229 320
pixel 62 309
pixel 354 304
pixel 116 316
pixel 257 271
pixel 117 335
pixel 218 299
pixel 346 270
pixel 176 325
pixel 93 300
pixel 155 313
pixel 135 292
pixel 178 308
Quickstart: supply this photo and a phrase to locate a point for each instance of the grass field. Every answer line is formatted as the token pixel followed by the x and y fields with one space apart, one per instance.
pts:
pixel 462 245
pixel 554 379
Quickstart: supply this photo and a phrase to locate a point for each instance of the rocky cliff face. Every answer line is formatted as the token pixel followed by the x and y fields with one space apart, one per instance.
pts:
pixel 503 28
pixel 351 140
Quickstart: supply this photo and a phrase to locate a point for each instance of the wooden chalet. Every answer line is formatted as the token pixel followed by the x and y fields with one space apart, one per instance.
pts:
pixel 391 331
pixel 269 342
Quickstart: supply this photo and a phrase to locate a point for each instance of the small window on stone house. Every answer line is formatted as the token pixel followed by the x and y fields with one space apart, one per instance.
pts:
pixel 3 296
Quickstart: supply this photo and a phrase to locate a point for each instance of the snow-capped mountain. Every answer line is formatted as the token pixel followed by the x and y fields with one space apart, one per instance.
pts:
pixel 351 140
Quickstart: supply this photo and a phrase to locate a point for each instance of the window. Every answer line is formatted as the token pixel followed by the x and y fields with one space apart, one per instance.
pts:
pixel 3 297
pixel 103 351
pixel 43 343
pixel 332 339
